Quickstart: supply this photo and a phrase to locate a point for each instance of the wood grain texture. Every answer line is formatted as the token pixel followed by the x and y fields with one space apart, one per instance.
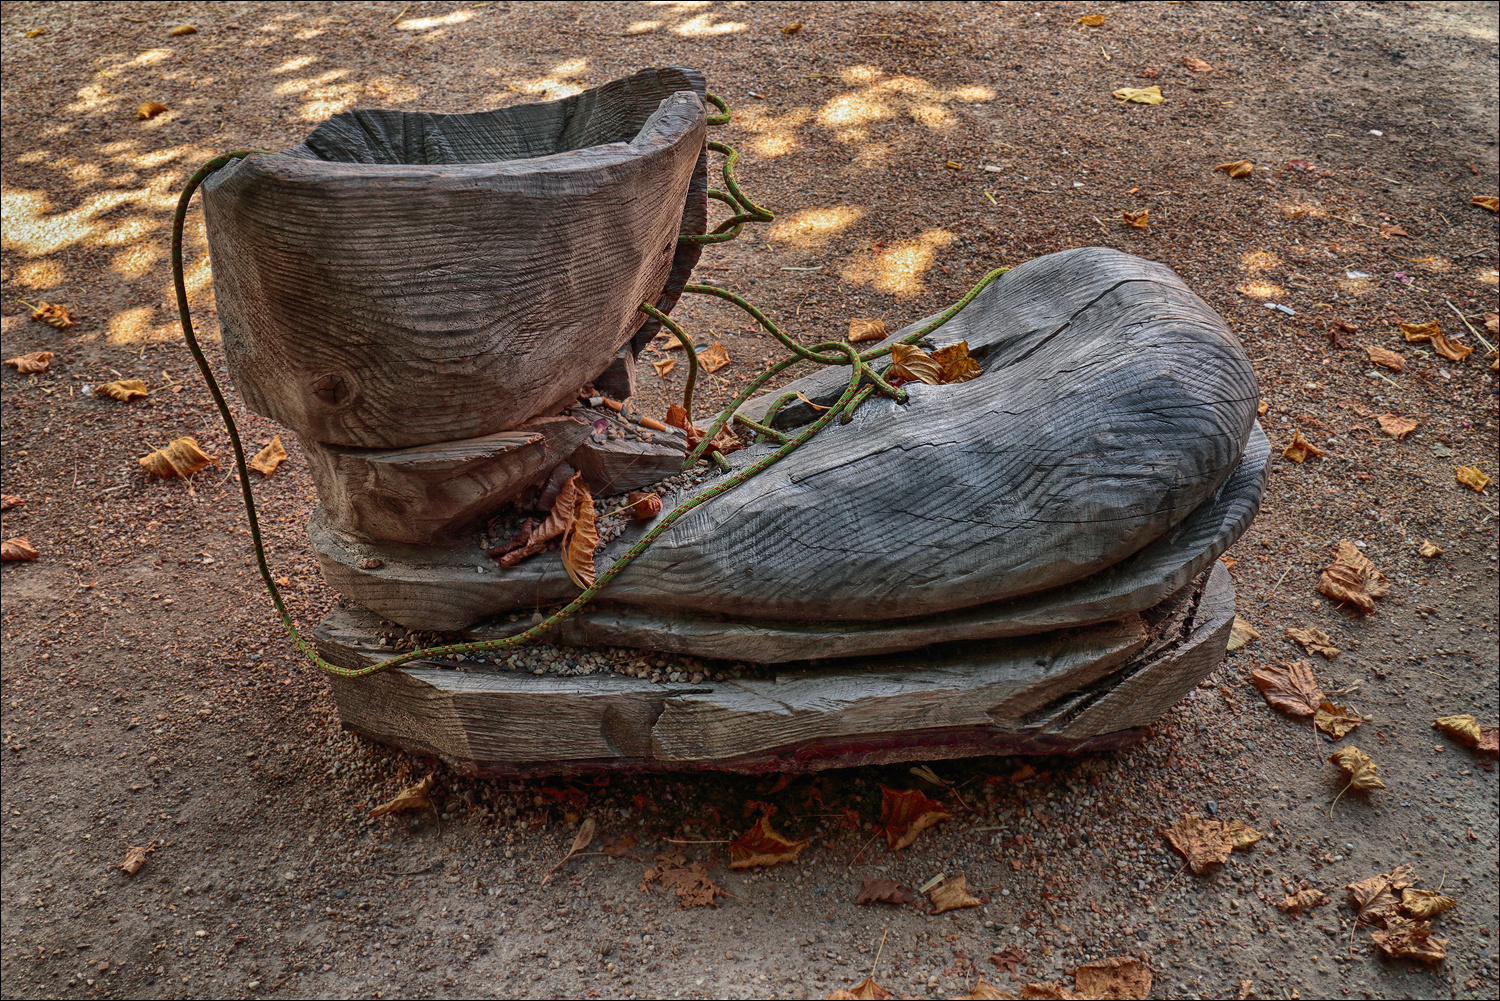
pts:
pixel 430 493
pixel 616 466
pixel 402 279
pixel 1072 690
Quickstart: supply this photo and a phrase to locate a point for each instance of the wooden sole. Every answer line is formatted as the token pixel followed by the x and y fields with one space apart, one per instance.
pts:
pixel 1070 691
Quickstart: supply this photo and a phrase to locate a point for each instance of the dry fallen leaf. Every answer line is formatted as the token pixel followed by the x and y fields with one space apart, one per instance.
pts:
pixel 8 501
pixel 1208 842
pixel 643 506
pixel 690 882
pixel 183 29
pixel 1417 333
pixel 791 29
pixel 1302 900
pixel 1118 977
pixel 1196 65
pixel 1137 220
pixel 410 798
pixel 123 390
pixel 1261 408
pixel 1424 904
pixel 1353 579
pixel 1049 992
pixel 580 538
pixel 1241 634
pixel 29 364
pixel 1289 687
pixel 1389 359
pixel 268 458
pixel 36 32
pixel 1140 95
pixel 956 363
pixel 53 314
pixel 1300 448
pixel 866 990
pixel 581 840
pixel 135 857
pixel 1362 771
pixel 886 891
pixel 952 894
pixel 984 991
pixel 910 363
pixel 1403 938
pixel 1395 426
pixel 564 510
pixel 1390 229
pixel 1471 477
pixel 664 366
pixel 1430 549
pixel 1237 168
pixel 1336 721
pixel 149 109
pixel 906 813
pixel 713 357
pixel 866 330
pixel 1149 72
pixel 763 845
pixel 1376 900
pixel 1314 640
pixel 618 846
pixel 181 458
pixel 1491 202
pixel 1091 20
pixel 677 417
pixel 17 550
pixel 1485 739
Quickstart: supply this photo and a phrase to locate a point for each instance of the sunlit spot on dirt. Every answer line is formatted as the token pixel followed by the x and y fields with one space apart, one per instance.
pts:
pixel 1258 261
pixel 423 23
pixel 1300 210
pixel 137 261
pixel 641 27
pixel 91 97
pixel 1488 277
pixel 703 26
pixel 135 326
pixel 40 275
pixel 900 268
pixel 885 100
pixel 775 134
pixel 813 227
pixel 35 156
pixel 390 90
pixel 292 65
pixel 31 231
pixel 1262 290
pixel 1355 286
pixel 303 84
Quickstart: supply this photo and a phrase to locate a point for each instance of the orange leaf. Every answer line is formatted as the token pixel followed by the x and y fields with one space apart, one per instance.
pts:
pixel 1389 359
pixel 53 314
pixel 713 357
pixel 1196 65
pixel 643 506
pixel 1353 579
pixel 886 891
pixel 1237 168
pixel 1395 426
pixel 37 361
pixel 1289 687
pixel 1138 220
pixel 1300 448
pixel 1406 939
pixel 1336 721
pixel 1471 477
pixel 1314 640
pixel 149 109
pixel 677 417
pixel 1118 977
pixel 410 798
pixel 268 458
pixel 762 845
pixel 8 501
pixel 956 363
pixel 17 550
pixel 581 537
pixel 180 458
pixel 123 390
pixel 1491 202
pixel 910 363
pixel 952 894
pixel 1208 842
pixel 1390 229
pixel 906 813
pixel 183 29
pixel 690 882
pixel 135 857
pixel 664 366
pixel 1091 20
pixel 866 990
pixel 866 330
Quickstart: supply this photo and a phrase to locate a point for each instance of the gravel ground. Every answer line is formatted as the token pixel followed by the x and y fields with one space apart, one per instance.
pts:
pixel 149 698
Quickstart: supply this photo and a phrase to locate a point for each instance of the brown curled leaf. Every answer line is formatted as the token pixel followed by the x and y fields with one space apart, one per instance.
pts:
pixel 181 458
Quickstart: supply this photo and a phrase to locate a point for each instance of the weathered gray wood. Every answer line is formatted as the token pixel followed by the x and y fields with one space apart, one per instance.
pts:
pixel 614 466
pixel 439 589
pixel 401 279
pixel 618 380
pixel 428 493
pixel 1069 690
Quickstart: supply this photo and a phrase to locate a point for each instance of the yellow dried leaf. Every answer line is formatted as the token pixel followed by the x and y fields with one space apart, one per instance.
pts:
pixel 53 314
pixel 1491 202
pixel 1362 771
pixel 410 798
pixel 1314 640
pixel 1430 549
pixel 1389 359
pixel 1406 939
pixel 181 458
pixel 956 363
pixel 1336 721
pixel 581 538
pixel 1375 900
pixel 135 857
pixel 1424 904
pixel 17 550
pixel 664 366
pixel 1201 842
pixel 1485 739
pixel 1302 900
pixel 910 363
pixel 123 390
pixel 268 458
pixel 1196 65
pixel 149 109
pixel 866 990
pixel 1389 230
pixel 1237 168
pixel 1260 411
pixel 1471 477
pixel 1241 834
pixel 952 894
pixel 1300 448
pixel 1241 634
pixel 1091 20
pixel 1395 426
pixel 581 840
pixel 713 357
pixel 1416 333
pixel 1353 579
pixel 1140 95
pixel 30 364
pixel 183 29
pixel 791 29
pixel 984 991
pixel 1137 220
pixel 36 32
pixel 1292 688
pixel 1118 977
pixel 863 329
pixel 954 165
pixel 763 845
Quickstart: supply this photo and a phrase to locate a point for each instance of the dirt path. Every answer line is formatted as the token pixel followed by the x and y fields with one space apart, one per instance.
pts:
pixel 149 699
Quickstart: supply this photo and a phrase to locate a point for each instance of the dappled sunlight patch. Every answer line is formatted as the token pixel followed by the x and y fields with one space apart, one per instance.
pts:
pixel 704 26
pixel 137 261
pixel 1262 290
pixel 40 275
pixel 1301 210
pixel 1259 261
pixel 884 100
pixel 1488 276
pixel 899 269
pixel 297 63
pixel 301 85
pixel 136 326
pixel 813 228
pixel 775 135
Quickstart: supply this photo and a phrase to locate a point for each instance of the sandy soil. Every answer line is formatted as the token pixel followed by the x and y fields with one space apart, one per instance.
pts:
pixel 149 698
